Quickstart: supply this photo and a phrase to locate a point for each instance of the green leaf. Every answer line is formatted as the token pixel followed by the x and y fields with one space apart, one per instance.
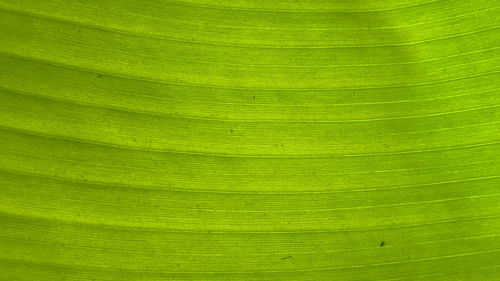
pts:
pixel 249 140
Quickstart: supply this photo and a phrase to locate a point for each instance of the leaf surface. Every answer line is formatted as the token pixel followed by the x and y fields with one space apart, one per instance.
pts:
pixel 249 140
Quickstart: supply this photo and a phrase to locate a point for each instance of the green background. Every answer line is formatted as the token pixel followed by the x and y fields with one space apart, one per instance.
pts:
pixel 249 140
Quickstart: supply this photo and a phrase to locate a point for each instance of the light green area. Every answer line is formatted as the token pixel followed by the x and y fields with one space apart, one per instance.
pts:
pixel 271 140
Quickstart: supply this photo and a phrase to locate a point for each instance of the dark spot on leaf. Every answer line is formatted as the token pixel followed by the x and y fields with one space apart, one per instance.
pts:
pixel 99 75
pixel 382 244
pixel 231 131
pixel 287 257
pixel 253 97
pixel 178 265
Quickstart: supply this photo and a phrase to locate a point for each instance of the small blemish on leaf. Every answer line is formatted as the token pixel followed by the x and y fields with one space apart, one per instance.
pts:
pixel 287 257
pixel 231 131
pixel 253 97
pixel 99 75
pixel 382 244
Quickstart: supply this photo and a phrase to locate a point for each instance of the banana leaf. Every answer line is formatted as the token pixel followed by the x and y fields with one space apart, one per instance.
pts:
pixel 352 140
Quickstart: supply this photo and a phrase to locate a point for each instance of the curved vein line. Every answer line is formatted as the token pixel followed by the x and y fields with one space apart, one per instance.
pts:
pixel 297 66
pixel 258 27
pixel 138 78
pixel 249 46
pixel 100 143
pixel 310 211
pixel 111 107
pixel 113 165
pixel 93 247
pixel 240 192
pixel 296 29
pixel 225 8
pixel 277 156
pixel 125 110
pixel 119 225
pixel 330 268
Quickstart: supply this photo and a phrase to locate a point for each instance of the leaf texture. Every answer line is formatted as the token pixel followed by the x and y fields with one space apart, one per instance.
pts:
pixel 249 140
